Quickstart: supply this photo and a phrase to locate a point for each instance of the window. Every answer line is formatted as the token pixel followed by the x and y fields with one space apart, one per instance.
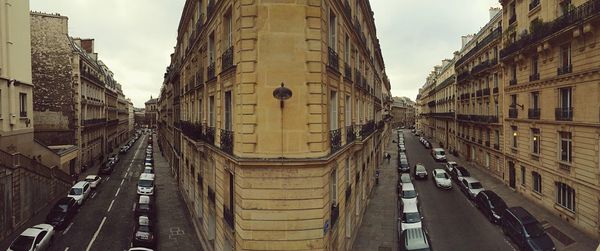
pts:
pixel 565 196
pixel 534 68
pixel 211 107
pixel 347 49
pixel 333 112
pixel 333 187
pixel 513 101
pixel 487 160
pixel 514 136
pixel 348 225
pixel 565 146
pixel 522 175
pixel 535 141
pixel 535 100
pixel 537 182
pixel 347 172
pixel 228 115
pixel 200 110
pixel 513 74
pixel 495 80
pixel 228 30
pixel 23 104
pixel 332 30
pixel 565 6
pixel 348 114
pixel 565 59
pixel 565 97
pixel 211 48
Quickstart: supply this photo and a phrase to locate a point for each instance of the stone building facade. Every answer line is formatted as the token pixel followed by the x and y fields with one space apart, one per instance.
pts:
pixel 403 112
pixel 151 112
pixel 258 173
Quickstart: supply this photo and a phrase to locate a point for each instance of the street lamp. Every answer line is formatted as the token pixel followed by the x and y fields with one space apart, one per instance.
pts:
pixel 282 93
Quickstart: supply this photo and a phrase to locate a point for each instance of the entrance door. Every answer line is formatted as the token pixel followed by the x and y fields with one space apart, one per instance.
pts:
pixel 511 174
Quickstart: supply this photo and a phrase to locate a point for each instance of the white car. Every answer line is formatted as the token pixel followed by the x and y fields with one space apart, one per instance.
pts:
pixel 441 179
pixel 410 218
pixel 38 237
pixel 140 249
pixel 450 165
pixel 471 187
pixel 80 192
pixel 146 184
pixel 405 178
pixel 408 194
pixel 438 154
pixel 94 180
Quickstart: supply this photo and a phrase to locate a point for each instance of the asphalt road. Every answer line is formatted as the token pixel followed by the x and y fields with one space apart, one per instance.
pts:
pixel 452 220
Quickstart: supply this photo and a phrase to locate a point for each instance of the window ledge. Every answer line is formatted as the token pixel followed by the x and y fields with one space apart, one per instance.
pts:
pixel 535 10
pixel 535 156
pixel 568 212
pixel 537 194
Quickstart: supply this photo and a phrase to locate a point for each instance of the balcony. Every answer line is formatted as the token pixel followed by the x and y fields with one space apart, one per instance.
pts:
pixel 357 77
pixel 367 129
pixel 335 213
pixel 192 130
pixel 512 82
pixel 333 60
pixel 227 59
pixel 209 135
pixel 112 122
pixel 565 69
pixel 513 113
pixel 347 72
pixel 229 216
pixel 478 46
pixel 227 141
pixel 94 122
pixel 480 141
pixel 463 76
pixel 534 77
pixel 335 140
pixel 348 193
pixel 199 78
pixel 564 113
pixel 350 134
pixel 533 4
pixel 534 113
pixel 480 67
pixel 210 71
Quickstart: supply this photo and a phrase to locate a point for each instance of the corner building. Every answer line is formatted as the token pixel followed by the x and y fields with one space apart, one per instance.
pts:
pixel 551 60
pixel 258 173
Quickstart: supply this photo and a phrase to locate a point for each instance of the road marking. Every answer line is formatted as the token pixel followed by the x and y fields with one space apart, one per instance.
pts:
pixel 122 181
pixel 67 249
pixel 96 234
pixel 117 191
pixel 125 175
pixel 109 207
pixel 133 209
pixel 67 229
pixel 108 178
pixel 93 195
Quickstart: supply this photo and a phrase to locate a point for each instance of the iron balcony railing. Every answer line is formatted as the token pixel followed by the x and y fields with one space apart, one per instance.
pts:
pixel 495 90
pixel 350 134
pixel 534 77
pixel 227 141
pixel 193 131
pixel 533 113
pixel 513 113
pixel 23 114
pixel 335 140
pixel 347 72
pixel 463 76
pixel 564 113
pixel 227 59
pixel 210 71
pixel 199 78
pixel 357 77
pixel 497 146
pixel 92 122
pixel 334 59
pixel 565 69
pixel 480 45
pixel 367 129
pixel 480 67
pixel 210 135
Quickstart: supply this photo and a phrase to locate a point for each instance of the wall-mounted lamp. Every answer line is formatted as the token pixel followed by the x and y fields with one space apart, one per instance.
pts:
pixel 282 93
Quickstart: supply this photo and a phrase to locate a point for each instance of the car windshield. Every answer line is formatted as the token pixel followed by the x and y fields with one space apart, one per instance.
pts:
pixel 144 206
pixel 405 178
pixel 476 185
pixel 60 208
pixel 407 194
pixel 534 229
pixel 440 152
pixel 441 175
pixel 90 180
pixel 497 202
pixel 404 161
pixel 146 183
pixel 75 191
pixel 413 217
pixel 22 243
pixel 420 168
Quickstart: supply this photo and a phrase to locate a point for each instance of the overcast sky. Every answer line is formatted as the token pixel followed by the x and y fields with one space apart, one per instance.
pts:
pixel 135 37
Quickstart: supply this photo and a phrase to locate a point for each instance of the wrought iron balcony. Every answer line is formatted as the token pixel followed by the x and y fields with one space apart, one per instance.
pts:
pixel 350 134
pixel 479 93
pixel 335 213
pixel 482 44
pixel 94 122
pixel 227 141
pixel 534 77
pixel 335 140
pixel 210 71
pixel 367 129
pixel 229 216
pixel 333 60
pixel 565 69
pixel 463 76
pixel 480 67
pixel 192 130
pixel 533 113
pixel 513 113
pixel 564 113
pixel 533 4
pixel 347 72
pixel 199 78
pixel 210 135
pixel 227 59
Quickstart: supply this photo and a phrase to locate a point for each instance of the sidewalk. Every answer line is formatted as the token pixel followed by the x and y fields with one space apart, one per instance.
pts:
pixel 564 235
pixel 378 230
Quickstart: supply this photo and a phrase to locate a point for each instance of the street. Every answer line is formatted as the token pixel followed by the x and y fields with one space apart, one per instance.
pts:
pixel 451 220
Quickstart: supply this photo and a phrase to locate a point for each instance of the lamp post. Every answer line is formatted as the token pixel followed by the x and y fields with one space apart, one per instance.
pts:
pixel 282 93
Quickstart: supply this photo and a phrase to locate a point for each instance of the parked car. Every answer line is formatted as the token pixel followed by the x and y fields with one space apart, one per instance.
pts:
pixel 124 149
pixel 62 213
pixel 145 206
pixel 441 179
pixel 438 154
pixel 408 194
pixel 491 205
pixel 94 180
pixel 148 170
pixel 38 237
pixel 414 239
pixel 402 155
pixel 143 233
pixel 148 164
pixel 409 216
pixel 403 165
pixel 114 157
pixel 525 230
pixel 405 178
pixel 450 165
pixel 80 191
pixel 146 184
pixel 107 168
pixel 470 187
pixel 458 173
pixel 401 148
pixel 420 171
pixel 427 145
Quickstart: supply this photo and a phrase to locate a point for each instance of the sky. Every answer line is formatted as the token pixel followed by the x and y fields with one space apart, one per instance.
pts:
pixel 134 38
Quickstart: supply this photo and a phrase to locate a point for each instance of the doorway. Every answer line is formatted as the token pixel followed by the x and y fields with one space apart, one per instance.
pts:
pixel 511 174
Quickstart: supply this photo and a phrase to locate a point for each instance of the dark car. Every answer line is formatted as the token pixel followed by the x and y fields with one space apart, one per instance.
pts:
pixel 403 165
pixel 491 205
pixel 414 239
pixel 149 159
pixel 62 213
pixel 459 172
pixel 107 168
pixel 145 206
pixel 525 230
pixel 143 233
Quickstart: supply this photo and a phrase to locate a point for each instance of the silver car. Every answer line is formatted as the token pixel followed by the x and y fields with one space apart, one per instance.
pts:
pixel 471 187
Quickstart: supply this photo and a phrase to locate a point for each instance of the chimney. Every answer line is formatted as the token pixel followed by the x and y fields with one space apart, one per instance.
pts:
pixel 466 39
pixel 88 45
pixel 493 12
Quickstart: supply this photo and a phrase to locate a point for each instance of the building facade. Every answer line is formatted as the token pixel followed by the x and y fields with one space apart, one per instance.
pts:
pixel 403 112
pixel 551 70
pixel 151 112
pixel 259 173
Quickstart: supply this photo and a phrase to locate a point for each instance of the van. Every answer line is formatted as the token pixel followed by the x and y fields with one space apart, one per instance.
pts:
pixel 146 184
pixel 525 230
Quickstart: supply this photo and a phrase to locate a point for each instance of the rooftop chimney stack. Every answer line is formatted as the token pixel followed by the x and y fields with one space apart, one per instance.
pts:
pixel 494 12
